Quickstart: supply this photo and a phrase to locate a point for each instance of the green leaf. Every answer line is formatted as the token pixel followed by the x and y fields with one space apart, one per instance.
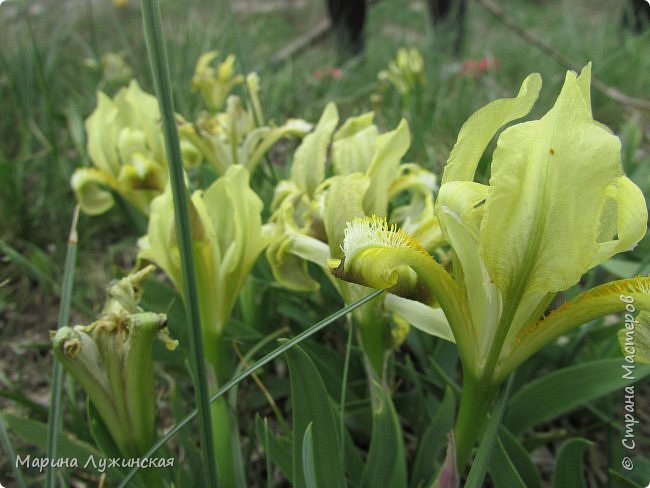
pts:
pixel 623 268
pixel 502 470
pixel 569 464
pixel 385 465
pixel 100 433
pixel 564 390
pixel 308 461
pixel 311 405
pixel 10 452
pixel 19 397
pixel 330 367
pixel 432 440
pixel 520 459
pixel 22 261
pixel 621 481
pixel 278 448
pixel 490 443
pixel 353 462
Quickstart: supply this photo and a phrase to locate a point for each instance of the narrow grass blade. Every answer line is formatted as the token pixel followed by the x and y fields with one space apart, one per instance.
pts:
pixel 56 406
pixel 520 458
pixel 11 454
pixel 503 472
pixel 486 447
pixel 17 258
pixel 564 390
pixel 344 387
pixel 269 468
pixel 160 70
pixel 232 394
pixel 20 260
pixel 278 451
pixel 235 380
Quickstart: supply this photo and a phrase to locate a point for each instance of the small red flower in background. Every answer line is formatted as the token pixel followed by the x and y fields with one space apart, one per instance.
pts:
pixel 475 67
pixel 329 72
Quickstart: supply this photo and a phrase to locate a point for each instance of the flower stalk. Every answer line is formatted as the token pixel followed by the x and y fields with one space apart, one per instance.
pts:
pixel 160 69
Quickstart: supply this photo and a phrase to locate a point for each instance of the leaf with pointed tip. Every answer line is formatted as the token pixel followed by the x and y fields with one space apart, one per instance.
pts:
pixel 278 448
pixel 311 406
pixel 502 470
pixel 431 441
pixel 569 464
pixel 385 466
pixel 562 391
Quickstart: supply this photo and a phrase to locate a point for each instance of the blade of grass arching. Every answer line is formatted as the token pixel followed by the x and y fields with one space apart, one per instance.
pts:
pixel 30 268
pixel 56 410
pixel 486 447
pixel 235 380
pixel 20 260
pixel 11 454
pixel 243 363
pixel 160 71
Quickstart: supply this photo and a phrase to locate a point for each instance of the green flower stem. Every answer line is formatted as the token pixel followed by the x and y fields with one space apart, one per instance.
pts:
pixel 505 322
pixel 481 462
pixel 371 337
pixel 226 444
pixel 224 425
pixel 371 328
pixel 218 355
pixel 160 69
pixel 475 402
pixel 344 388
